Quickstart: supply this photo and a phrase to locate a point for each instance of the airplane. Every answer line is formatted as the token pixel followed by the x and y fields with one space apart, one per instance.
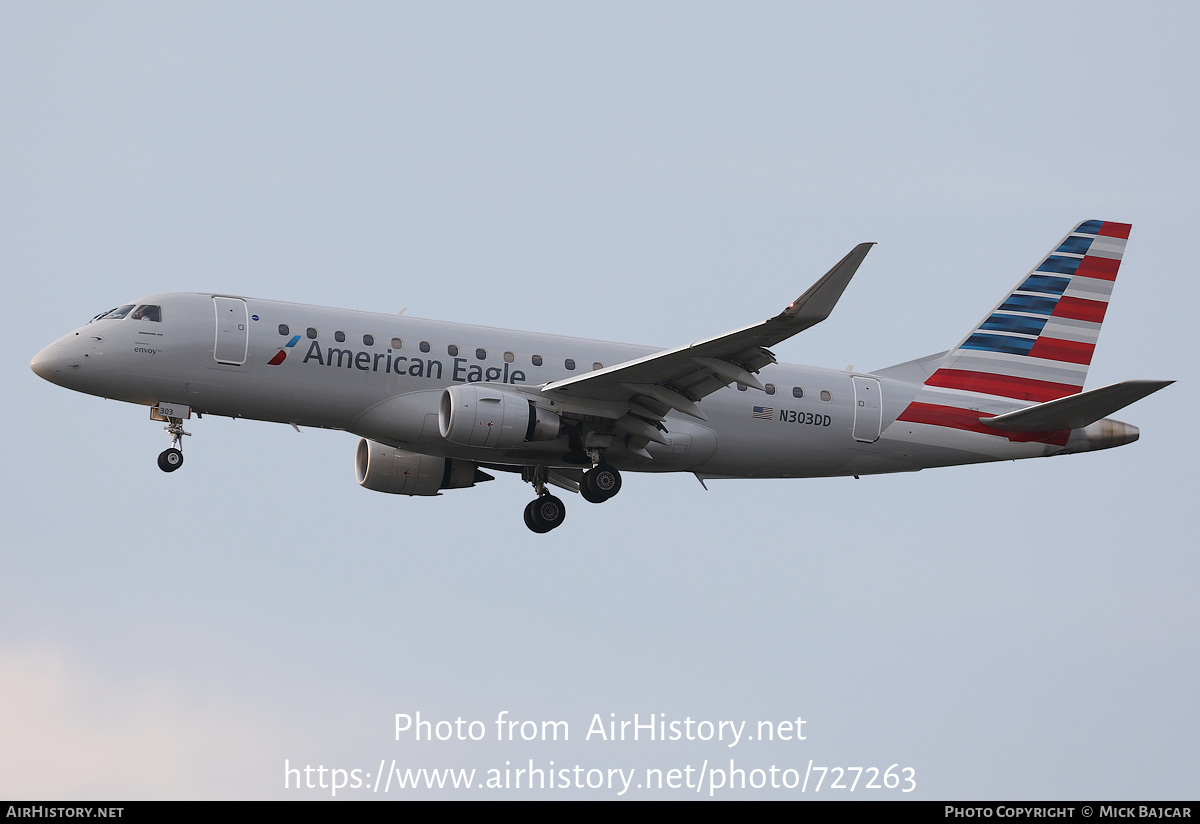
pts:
pixel 436 404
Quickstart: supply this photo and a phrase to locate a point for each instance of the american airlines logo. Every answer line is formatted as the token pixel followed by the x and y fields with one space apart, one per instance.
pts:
pixel 281 355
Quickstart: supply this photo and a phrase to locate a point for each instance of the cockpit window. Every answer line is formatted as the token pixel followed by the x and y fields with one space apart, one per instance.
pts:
pixel 148 312
pixel 114 314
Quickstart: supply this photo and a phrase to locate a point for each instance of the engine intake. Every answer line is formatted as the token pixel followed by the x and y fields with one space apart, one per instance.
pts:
pixel 477 415
pixel 383 468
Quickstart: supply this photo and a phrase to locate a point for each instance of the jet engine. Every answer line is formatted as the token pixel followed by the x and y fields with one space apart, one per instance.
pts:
pixel 383 468
pixel 477 415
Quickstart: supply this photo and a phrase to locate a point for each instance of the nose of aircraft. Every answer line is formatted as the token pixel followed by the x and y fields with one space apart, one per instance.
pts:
pixel 48 363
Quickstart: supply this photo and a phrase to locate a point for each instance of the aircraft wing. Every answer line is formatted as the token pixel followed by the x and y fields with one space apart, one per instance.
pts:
pixel 678 378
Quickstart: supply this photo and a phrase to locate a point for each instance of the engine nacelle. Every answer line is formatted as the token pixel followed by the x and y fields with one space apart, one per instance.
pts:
pixel 383 468
pixel 475 414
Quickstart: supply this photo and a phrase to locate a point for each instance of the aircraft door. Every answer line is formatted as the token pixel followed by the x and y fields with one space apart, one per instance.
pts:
pixel 868 409
pixel 233 331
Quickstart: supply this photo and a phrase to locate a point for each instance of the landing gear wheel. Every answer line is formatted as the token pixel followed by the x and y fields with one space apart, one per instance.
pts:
pixel 588 492
pixel 600 483
pixel 170 459
pixel 530 520
pixel 545 513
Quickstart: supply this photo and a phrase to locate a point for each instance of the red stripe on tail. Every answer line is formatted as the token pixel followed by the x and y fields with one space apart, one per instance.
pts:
pixel 1004 385
pixel 1080 309
pixel 1070 351
pixel 968 420
pixel 1101 268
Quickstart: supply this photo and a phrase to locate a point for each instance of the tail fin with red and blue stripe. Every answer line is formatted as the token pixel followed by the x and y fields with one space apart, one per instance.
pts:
pixel 1035 346
pixel 1037 343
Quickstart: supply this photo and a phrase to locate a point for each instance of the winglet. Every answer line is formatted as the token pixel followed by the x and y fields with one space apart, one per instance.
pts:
pixel 678 378
pixel 817 303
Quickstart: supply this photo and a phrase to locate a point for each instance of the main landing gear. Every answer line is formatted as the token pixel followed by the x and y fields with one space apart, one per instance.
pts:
pixel 171 459
pixel 546 512
pixel 600 483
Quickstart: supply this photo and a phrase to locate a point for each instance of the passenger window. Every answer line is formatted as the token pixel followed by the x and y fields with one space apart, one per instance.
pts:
pixel 825 396
pixel 368 340
pixel 597 365
pixel 148 312
pixel 340 337
pixel 312 333
pixel 424 346
pixel 283 329
pixel 481 354
pixel 509 357
pixel 742 387
pixel 770 387
pixel 797 392
pixel 569 363
pixel 452 351
pixel 397 343
pixel 537 360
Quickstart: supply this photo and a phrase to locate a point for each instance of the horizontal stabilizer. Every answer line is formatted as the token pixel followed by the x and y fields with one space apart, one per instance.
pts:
pixel 1075 411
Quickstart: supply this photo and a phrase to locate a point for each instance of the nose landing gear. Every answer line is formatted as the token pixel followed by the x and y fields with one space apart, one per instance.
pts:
pixel 171 459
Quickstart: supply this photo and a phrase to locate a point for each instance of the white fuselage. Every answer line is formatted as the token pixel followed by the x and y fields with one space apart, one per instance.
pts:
pixel 381 376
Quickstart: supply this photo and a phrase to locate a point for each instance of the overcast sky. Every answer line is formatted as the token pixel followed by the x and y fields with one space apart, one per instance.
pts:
pixel 651 173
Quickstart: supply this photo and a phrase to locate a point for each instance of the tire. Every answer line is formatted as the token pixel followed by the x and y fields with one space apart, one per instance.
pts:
pixel 587 489
pixel 170 459
pixel 545 513
pixel 532 520
pixel 603 482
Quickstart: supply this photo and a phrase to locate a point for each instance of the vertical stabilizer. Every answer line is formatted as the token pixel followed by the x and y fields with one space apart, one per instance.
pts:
pixel 1037 343
pixel 1034 346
